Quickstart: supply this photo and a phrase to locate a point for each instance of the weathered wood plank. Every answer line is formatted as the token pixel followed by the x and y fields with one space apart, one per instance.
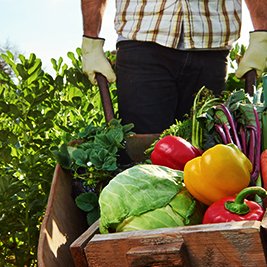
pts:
pixel 63 222
pixel 77 247
pixel 230 244
pixel 225 244
pixel 137 249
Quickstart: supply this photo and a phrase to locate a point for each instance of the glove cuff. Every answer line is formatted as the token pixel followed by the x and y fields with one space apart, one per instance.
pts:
pixel 93 37
pixel 91 44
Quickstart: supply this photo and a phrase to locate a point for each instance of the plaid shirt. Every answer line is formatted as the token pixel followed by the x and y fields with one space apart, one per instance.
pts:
pixel 188 24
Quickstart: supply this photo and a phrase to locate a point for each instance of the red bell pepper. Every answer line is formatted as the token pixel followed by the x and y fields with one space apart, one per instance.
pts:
pixel 173 152
pixel 237 208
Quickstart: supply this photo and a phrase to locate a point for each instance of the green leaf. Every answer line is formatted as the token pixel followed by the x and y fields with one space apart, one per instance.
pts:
pixel 74 61
pixel 87 201
pixel 158 218
pixel 76 100
pixel 128 127
pixel 22 72
pixel 14 110
pixel 220 117
pixel 93 216
pixel 89 132
pixel 80 157
pixel 62 156
pixel 9 59
pixel 98 157
pixel 40 98
pixel 35 65
pixel 34 72
pixel 54 63
pixel 110 163
pixel 29 98
pixel 4 78
pixel 4 108
pixel 50 114
pixel 23 59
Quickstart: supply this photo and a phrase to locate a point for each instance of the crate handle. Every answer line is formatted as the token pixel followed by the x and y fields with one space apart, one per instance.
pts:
pixel 166 254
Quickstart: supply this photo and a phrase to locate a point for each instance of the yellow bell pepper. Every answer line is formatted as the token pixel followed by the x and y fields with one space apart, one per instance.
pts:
pixel 222 170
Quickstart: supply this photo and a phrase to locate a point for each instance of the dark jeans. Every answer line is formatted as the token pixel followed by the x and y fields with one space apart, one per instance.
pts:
pixel 157 85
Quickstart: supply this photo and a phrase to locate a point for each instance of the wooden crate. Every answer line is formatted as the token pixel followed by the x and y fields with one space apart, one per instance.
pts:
pixel 223 244
pixel 66 240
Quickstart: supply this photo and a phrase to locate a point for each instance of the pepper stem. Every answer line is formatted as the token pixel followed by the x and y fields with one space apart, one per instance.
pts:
pixel 238 206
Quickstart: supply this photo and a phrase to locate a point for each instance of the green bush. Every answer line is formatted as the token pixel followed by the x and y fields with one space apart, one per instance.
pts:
pixel 38 112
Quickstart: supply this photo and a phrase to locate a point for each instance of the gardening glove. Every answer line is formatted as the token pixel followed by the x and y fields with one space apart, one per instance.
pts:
pixel 255 55
pixel 94 59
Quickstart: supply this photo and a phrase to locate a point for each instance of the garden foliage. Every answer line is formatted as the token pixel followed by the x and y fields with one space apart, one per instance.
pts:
pixel 38 112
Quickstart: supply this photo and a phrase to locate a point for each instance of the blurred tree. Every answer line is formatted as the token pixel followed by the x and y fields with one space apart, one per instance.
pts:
pixel 3 49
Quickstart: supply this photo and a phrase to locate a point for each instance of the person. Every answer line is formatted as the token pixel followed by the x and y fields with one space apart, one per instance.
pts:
pixel 167 50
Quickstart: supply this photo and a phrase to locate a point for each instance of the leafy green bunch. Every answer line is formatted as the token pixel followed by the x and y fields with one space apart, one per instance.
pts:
pixel 94 155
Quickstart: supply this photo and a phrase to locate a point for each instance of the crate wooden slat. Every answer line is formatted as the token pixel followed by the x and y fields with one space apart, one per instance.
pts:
pixel 136 249
pixel 225 244
pixel 77 247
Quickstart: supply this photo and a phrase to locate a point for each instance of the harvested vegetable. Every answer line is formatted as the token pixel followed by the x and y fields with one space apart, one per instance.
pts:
pixel 264 113
pixel 222 170
pixel 237 208
pixel 147 196
pixel 236 121
pixel 93 155
pixel 263 168
pixel 173 152
pixel 203 100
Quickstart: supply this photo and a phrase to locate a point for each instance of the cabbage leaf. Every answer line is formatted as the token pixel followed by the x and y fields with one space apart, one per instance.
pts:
pixel 135 191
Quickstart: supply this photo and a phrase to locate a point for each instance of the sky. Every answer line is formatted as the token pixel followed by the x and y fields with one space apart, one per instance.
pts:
pixel 52 28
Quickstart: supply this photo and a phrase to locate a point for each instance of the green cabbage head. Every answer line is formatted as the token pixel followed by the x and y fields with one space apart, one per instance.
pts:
pixel 145 197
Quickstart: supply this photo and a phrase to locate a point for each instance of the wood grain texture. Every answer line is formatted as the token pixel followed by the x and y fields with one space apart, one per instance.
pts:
pixel 77 247
pixel 63 222
pixel 225 244
pixel 137 249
